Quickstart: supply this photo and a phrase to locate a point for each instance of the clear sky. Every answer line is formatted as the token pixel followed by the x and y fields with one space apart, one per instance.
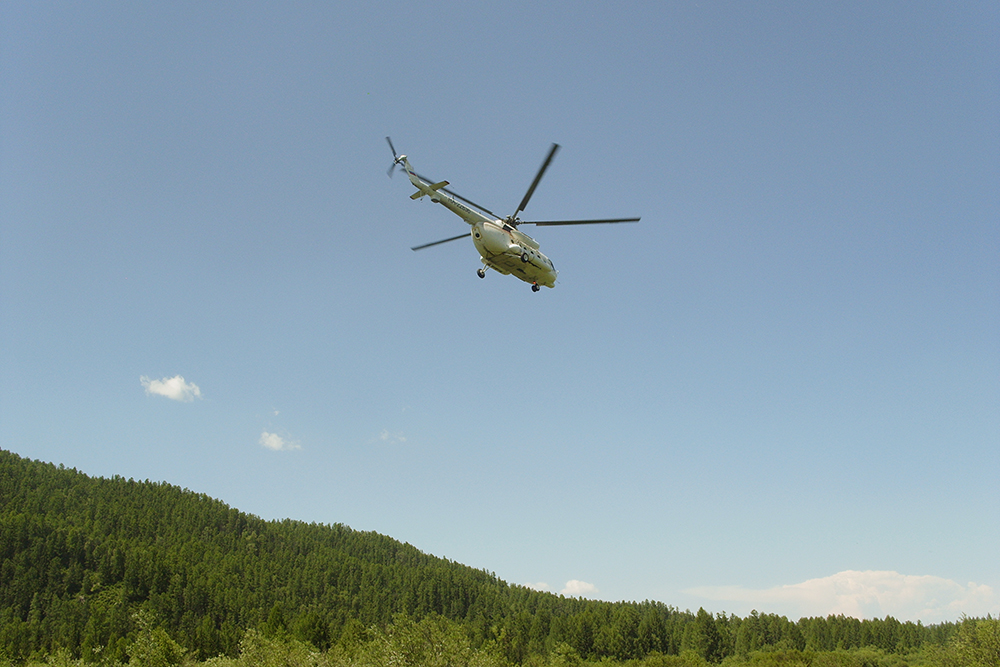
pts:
pixel 780 390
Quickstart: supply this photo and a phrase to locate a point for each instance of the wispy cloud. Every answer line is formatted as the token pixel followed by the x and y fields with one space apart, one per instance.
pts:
pixel 869 594
pixel 175 388
pixel 577 588
pixel 540 586
pixel 276 443
pixel 390 438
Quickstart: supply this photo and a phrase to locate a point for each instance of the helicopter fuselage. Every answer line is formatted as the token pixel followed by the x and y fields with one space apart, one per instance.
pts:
pixel 511 252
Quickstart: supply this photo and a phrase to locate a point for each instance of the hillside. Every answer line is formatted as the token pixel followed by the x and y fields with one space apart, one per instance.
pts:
pixel 80 556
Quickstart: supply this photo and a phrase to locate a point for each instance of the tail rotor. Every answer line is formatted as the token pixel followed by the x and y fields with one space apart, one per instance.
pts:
pixel 396 159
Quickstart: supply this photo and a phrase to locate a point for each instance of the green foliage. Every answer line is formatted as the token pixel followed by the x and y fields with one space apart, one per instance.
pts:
pixel 564 654
pixel 152 646
pixel 977 643
pixel 431 642
pixel 704 638
pixel 114 572
pixel 256 649
pixel 79 556
pixel 686 658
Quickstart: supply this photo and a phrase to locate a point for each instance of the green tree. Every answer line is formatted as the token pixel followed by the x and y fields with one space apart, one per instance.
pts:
pixel 79 556
pixel 977 643
pixel 152 646
pixel 258 650
pixel 704 638
pixel 431 642
pixel 564 654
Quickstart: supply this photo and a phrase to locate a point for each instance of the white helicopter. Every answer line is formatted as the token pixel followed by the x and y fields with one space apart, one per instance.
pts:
pixel 502 247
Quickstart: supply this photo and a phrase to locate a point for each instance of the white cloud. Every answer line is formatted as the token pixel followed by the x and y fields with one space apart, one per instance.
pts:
pixel 577 588
pixel 276 443
pixel 391 438
pixel 869 594
pixel 540 586
pixel 174 388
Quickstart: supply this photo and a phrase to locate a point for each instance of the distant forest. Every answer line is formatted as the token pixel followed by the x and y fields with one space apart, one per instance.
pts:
pixel 116 571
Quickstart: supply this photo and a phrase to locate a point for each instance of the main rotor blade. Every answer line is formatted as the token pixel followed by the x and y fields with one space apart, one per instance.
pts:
pixel 469 201
pixel 458 196
pixel 553 223
pixel 534 184
pixel 453 238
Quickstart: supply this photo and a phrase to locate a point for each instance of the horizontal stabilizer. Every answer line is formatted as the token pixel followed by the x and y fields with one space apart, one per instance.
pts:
pixel 435 187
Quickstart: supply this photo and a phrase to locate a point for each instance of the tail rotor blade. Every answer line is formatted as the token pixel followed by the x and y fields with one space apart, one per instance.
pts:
pixel 395 158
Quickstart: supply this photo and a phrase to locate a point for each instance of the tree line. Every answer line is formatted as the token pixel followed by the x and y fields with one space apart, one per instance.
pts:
pixel 89 565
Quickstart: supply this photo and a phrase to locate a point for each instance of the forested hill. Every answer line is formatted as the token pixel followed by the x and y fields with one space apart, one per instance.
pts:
pixel 80 556
pixel 78 553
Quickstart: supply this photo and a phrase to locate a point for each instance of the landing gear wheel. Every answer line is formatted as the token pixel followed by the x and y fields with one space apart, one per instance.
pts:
pixel 481 273
pixel 524 257
pixel 535 288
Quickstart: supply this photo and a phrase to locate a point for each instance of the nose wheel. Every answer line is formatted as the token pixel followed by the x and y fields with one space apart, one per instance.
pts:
pixel 481 273
pixel 535 287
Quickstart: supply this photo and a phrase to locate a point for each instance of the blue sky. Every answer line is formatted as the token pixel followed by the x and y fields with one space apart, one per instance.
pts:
pixel 780 390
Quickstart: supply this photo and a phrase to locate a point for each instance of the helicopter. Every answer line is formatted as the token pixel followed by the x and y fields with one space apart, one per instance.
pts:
pixel 501 245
